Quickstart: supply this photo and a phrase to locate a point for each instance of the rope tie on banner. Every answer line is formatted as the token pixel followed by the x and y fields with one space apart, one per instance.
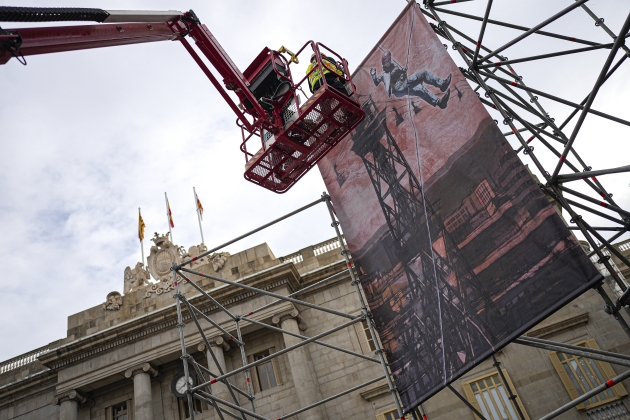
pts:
pixel 420 180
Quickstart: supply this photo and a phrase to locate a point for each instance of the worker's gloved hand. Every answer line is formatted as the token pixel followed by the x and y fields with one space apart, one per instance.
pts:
pixel 373 71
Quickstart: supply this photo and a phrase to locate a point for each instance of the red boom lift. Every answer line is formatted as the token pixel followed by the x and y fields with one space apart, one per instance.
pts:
pixel 285 132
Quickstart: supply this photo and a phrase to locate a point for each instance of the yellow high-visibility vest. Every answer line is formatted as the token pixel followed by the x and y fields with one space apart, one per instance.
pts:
pixel 328 66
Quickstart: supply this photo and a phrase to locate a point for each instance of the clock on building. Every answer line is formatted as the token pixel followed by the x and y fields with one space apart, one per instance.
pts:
pixel 178 385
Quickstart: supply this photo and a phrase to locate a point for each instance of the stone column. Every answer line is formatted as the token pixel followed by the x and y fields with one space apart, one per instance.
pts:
pixel 218 346
pixel 69 404
pixel 142 398
pixel 304 380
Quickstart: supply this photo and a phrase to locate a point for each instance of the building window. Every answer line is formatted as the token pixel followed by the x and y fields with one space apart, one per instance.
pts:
pixel 392 415
pixel 264 372
pixel 184 410
pixel 484 193
pixel 365 338
pixel 489 395
pixel 120 412
pixel 456 220
pixel 580 375
pixel 265 375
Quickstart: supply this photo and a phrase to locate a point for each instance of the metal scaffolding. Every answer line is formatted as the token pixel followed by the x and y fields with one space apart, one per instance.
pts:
pixel 524 113
pixel 206 377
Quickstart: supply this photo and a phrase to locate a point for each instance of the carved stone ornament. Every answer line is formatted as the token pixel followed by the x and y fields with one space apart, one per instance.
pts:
pixel 70 395
pixel 161 287
pixel 218 260
pixel 162 256
pixel 215 342
pixel 141 368
pixel 293 313
pixel 113 301
pixel 135 278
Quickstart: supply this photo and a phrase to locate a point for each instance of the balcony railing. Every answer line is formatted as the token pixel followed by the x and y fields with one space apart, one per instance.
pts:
pixel 318 249
pixel 326 246
pixel 295 258
pixel 22 360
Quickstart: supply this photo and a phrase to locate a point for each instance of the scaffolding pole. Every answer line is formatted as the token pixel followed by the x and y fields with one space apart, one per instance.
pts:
pixel 203 392
pixel 604 199
pixel 481 71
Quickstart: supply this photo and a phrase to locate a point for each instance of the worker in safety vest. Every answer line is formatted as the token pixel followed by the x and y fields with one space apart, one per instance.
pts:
pixel 331 73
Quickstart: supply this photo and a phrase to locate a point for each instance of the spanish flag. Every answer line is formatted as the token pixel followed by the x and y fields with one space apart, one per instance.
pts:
pixel 169 213
pixel 199 207
pixel 141 226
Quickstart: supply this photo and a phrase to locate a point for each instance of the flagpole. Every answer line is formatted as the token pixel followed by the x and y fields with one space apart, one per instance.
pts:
pixel 168 218
pixel 141 240
pixel 198 215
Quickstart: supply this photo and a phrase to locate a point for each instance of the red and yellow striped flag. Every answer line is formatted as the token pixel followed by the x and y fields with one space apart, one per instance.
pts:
pixel 199 207
pixel 141 227
pixel 169 213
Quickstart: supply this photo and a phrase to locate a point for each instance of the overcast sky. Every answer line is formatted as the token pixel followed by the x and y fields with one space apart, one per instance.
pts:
pixel 88 137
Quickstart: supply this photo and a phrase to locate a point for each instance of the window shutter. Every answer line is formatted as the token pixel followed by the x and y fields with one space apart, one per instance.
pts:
pixel 253 374
pixel 518 399
pixel 470 396
pixel 363 341
pixel 573 393
pixel 378 416
pixel 130 409
pixel 109 413
pixel 276 367
pixel 607 370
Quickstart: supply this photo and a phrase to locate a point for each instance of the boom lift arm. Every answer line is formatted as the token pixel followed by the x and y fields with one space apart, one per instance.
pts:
pixel 289 138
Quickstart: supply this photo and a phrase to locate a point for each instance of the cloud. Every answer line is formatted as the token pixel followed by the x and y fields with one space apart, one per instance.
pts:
pixel 88 137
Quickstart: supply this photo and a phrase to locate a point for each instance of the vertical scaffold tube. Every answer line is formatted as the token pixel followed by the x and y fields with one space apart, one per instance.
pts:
pixel 180 326
pixel 247 373
pixel 364 309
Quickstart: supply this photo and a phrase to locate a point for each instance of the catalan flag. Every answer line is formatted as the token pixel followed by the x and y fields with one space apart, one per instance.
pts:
pixel 199 206
pixel 141 226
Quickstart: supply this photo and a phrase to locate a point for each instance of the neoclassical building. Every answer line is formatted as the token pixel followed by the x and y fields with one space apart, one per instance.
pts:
pixel 121 359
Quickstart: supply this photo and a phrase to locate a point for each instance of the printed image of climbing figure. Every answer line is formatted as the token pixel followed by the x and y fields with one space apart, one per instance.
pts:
pixel 396 82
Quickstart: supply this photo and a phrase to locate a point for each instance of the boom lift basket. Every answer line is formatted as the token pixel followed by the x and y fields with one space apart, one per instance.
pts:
pixel 285 130
pixel 310 125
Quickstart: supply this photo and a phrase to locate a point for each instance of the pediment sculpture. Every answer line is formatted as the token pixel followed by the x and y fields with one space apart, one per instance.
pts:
pixel 135 278
pixel 113 301
pixel 218 260
pixel 162 256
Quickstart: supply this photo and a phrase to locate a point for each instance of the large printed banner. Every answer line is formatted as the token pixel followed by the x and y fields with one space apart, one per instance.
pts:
pixel 458 250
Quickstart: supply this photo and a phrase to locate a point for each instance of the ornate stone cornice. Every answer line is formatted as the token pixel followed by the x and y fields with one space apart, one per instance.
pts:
pixel 141 368
pixel 338 268
pixel 558 326
pixel 375 391
pixel 25 387
pixel 166 318
pixel 71 395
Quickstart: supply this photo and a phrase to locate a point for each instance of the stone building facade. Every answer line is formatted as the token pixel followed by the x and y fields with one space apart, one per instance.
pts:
pixel 121 359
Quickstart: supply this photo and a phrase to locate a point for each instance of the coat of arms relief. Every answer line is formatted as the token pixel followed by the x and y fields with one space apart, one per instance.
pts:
pixel 164 253
pixel 161 257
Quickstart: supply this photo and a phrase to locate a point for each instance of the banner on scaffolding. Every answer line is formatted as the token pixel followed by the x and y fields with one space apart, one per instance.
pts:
pixel 458 250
